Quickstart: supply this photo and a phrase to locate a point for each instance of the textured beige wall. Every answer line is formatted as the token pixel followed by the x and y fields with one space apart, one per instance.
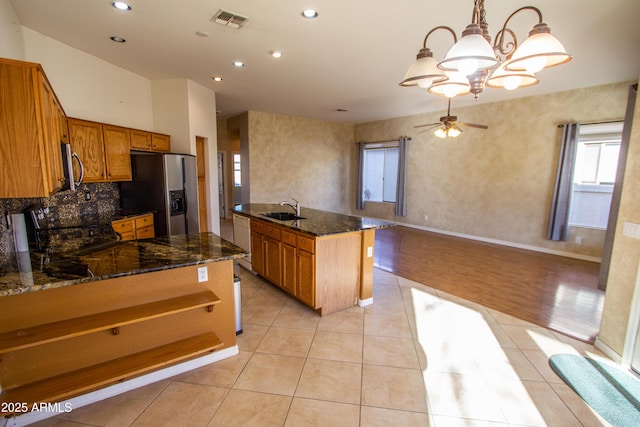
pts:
pixel 306 159
pixel 495 183
pixel 625 256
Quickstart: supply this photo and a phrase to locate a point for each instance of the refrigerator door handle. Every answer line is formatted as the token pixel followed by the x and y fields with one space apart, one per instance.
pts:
pixel 186 203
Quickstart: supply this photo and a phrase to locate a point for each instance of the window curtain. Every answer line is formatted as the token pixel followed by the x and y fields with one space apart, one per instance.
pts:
pixel 359 177
pixel 559 216
pixel 401 197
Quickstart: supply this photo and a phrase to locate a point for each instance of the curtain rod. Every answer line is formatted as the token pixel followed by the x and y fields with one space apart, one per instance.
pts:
pixel 408 138
pixel 597 123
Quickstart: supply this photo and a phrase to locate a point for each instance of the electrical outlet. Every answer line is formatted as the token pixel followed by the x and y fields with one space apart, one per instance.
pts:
pixel 203 275
pixel 369 251
pixel 426 217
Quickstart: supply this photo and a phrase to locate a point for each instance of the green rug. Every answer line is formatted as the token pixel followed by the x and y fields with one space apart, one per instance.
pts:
pixel 609 390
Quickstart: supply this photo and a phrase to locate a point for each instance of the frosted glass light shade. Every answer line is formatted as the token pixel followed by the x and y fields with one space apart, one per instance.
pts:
pixel 456 85
pixel 510 80
pixel 540 50
pixel 424 71
pixel 447 132
pixel 471 53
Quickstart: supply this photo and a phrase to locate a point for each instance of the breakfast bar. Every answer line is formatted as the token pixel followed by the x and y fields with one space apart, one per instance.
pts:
pixel 78 319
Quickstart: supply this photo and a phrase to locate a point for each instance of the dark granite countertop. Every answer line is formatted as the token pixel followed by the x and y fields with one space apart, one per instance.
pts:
pixel 69 264
pixel 316 222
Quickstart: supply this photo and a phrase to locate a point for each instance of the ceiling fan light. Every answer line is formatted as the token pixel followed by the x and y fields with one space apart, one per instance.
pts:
pixel 453 131
pixel 471 53
pixel 445 131
pixel 424 71
pixel 540 50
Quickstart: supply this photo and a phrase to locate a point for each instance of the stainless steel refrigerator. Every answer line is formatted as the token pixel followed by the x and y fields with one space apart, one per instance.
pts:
pixel 167 185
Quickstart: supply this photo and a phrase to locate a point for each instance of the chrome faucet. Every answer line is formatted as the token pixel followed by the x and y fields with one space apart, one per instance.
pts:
pixel 295 207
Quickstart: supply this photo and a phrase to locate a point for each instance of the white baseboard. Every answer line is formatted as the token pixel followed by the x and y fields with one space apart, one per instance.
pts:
pixel 501 242
pixel 608 351
pixel 365 302
pixel 123 387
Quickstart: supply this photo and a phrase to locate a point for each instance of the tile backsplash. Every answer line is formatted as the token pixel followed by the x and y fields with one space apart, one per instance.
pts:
pixel 92 205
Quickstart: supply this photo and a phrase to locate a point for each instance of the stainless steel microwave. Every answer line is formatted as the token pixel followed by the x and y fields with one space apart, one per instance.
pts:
pixel 67 163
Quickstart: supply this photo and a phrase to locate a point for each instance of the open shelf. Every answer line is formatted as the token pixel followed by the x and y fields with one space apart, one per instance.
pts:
pixel 113 319
pixel 83 380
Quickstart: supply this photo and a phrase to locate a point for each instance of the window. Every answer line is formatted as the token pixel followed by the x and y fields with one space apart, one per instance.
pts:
pixel 594 174
pixel 380 173
pixel 237 176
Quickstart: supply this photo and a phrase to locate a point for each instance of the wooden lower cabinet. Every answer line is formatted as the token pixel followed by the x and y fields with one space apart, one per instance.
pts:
pixel 272 266
pixel 289 280
pixel 133 228
pixel 305 275
pixel 257 251
pixel 322 272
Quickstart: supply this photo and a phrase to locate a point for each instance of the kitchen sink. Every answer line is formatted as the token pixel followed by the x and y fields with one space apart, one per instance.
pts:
pixel 282 216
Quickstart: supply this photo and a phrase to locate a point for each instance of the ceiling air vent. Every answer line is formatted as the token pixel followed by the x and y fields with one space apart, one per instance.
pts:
pixel 229 19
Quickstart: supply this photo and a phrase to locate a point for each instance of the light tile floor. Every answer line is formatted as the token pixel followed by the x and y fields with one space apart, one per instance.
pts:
pixel 416 357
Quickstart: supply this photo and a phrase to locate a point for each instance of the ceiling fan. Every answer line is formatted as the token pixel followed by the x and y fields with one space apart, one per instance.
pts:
pixel 449 126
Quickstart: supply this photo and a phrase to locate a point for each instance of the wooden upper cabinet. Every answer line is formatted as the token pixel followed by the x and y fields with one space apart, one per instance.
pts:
pixel 117 141
pixel 103 149
pixel 140 140
pixel 87 142
pixel 30 132
pixel 148 141
pixel 160 142
pixel 55 130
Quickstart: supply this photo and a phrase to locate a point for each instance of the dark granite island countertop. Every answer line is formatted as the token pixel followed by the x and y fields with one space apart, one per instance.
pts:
pixel 71 264
pixel 315 222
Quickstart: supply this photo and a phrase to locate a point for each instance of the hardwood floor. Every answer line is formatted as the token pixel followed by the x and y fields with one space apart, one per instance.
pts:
pixel 556 292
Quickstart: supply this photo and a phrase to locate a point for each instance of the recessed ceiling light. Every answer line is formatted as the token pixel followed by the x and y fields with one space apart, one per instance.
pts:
pixel 120 5
pixel 309 13
pixel 275 53
pixel 117 39
pixel 238 64
pixel 217 78
pixel 202 34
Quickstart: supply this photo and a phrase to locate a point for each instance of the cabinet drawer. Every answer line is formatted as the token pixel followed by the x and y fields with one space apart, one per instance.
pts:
pixel 128 235
pixel 144 221
pixel 272 231
pixel 125 226
pixel 306 243
pixel 145 232
pixel 288 237
pixel 257 226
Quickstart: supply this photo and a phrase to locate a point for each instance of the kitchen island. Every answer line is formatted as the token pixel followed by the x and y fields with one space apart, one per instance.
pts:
pixel 323 259
pixel 78 319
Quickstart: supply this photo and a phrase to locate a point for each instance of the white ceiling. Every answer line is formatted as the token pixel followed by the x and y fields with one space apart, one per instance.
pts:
pixel 351 57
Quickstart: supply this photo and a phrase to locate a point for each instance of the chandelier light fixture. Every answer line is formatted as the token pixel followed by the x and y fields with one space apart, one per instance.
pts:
pixel 473 63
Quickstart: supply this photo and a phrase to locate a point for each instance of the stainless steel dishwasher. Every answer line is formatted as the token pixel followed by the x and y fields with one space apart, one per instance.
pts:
pixel 242 238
